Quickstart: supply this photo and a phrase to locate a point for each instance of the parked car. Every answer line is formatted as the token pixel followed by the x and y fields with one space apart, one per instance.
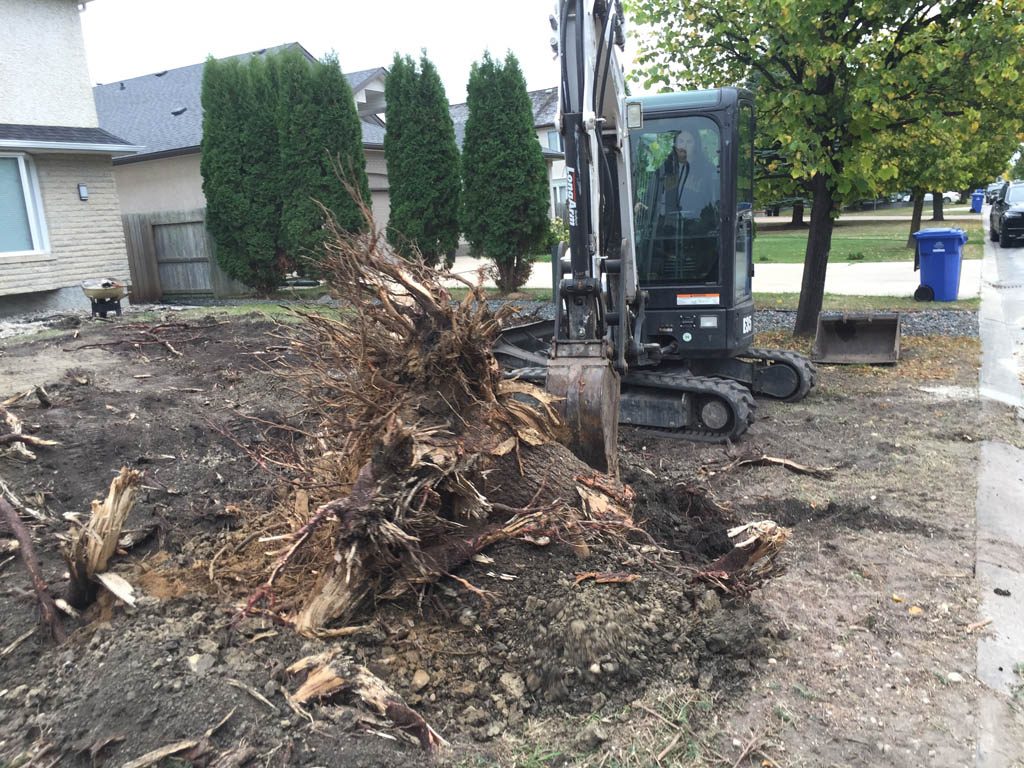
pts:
pixel 949 197
pixel 992 191
pixel 1006 218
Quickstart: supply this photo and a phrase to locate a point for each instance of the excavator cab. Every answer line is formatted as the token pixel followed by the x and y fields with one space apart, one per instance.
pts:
pixel 693 169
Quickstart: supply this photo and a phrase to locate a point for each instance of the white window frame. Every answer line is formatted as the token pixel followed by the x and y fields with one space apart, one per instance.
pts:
pixel 33 207
pixel 559 190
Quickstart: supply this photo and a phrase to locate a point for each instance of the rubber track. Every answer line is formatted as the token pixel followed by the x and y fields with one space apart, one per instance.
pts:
pixel 735 396
pixel 807 374
pixel 738 398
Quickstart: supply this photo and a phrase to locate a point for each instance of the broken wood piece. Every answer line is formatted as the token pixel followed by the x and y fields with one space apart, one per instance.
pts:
pixel 27 440
pixel 15 398
pixel 606 578
pixel 19 504
pixel 13 646
pixel 975 626
pixel 28 555
pixel 62 604
pixel 42 396
pixel 792 466
pixel 93 545
pixel 235 758
pixel 118 587
pixel 754 549
pixel 330 674
pixel 16 438
pixel 155 756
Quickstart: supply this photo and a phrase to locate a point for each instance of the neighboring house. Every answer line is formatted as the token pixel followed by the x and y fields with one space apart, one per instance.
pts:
pixel 163 112
pixel 161 187
pixel 60 221
pixel 545 106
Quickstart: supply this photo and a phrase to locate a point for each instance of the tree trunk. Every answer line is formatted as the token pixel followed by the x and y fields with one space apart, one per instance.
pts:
pixel 915 219
pixel 819 243
pixel 937 207
pixel 798 214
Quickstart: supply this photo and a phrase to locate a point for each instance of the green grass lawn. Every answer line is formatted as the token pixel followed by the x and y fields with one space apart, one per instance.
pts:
pixel 834 302
pixel 856 240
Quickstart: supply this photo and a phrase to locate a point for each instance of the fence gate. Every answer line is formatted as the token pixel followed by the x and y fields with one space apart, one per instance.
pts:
pixel 171 253
pixel 183 257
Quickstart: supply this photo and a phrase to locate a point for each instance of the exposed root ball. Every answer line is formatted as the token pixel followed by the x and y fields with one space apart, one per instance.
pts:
pixel 428 454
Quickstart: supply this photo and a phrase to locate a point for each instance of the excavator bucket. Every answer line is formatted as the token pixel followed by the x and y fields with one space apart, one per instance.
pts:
pixel 588 389
pixel 857 337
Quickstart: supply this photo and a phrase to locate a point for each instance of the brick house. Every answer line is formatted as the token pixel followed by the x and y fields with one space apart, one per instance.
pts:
pixel 60 219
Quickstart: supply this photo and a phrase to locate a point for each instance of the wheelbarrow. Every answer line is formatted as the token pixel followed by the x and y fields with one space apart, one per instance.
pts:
pixel 105 294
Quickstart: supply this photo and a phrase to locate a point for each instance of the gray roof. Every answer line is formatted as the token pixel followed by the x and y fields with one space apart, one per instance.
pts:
pixel 545 106
pixel 59 134
pixel 163 111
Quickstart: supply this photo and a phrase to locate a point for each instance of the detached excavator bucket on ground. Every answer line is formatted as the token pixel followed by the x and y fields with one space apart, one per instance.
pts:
pixel 857 337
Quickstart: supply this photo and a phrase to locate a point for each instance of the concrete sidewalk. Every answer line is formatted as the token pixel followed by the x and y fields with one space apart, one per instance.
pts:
pixel 883 278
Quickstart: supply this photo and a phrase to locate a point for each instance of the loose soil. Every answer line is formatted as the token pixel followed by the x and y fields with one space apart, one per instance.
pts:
pixel 859 654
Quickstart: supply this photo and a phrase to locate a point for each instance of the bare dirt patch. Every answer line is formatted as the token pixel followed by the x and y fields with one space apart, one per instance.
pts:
pixel 859 654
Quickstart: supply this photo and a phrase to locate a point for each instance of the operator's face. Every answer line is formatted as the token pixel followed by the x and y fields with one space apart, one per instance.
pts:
pixel 685 143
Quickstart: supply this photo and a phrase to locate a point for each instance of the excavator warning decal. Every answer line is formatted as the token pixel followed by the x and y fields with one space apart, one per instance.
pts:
pixel 697 299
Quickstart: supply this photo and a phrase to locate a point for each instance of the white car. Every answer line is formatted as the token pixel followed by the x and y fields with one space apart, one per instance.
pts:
pixel 948 197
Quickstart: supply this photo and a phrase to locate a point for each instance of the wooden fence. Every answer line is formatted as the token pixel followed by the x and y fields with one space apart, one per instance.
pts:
pixel 171 253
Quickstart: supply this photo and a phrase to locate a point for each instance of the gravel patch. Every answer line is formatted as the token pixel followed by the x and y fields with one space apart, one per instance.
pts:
pixel 936 322
pixel 928 322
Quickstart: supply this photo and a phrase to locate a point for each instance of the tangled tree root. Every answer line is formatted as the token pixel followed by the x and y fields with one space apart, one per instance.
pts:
pixel 432 454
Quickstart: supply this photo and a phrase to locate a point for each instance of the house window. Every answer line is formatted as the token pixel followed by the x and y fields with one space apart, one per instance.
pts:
pixel 558 192
pixel 555 141
pixel 21 228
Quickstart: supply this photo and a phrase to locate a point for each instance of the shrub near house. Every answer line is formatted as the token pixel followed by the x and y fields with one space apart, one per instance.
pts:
pixel 273 130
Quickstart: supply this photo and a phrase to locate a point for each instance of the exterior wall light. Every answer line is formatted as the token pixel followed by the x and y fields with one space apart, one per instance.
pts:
pixel 83 192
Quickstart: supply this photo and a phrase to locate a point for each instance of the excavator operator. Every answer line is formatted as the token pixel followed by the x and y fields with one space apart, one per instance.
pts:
pixel 676 223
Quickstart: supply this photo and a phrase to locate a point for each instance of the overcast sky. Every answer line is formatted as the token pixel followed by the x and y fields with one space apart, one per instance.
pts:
pixel 128 38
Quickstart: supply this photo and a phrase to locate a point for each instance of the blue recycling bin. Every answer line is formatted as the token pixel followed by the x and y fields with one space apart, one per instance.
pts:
pixel 939 253
pixel 977 198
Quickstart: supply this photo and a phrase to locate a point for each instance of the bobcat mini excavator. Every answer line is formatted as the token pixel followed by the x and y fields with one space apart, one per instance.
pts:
pixel 653 310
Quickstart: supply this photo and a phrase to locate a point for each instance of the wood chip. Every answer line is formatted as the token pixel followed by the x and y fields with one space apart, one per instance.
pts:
pixel 154 757
pixel 606 578
pixel 118 587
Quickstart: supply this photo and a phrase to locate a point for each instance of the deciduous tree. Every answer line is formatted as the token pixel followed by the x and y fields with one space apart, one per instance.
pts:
pixel 835 77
